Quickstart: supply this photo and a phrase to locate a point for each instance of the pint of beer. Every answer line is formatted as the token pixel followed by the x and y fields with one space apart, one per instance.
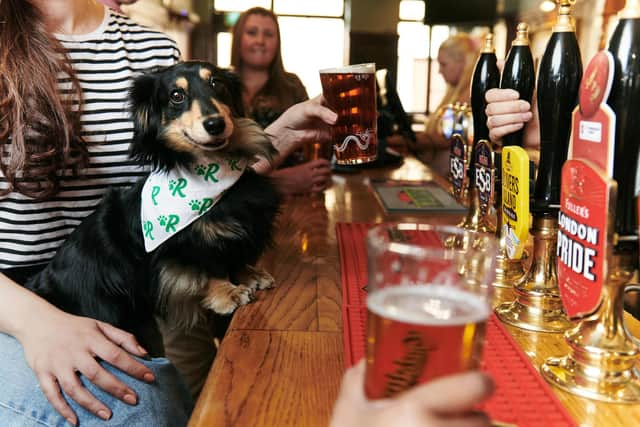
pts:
pixel 317 150
pixel 427 305
pixel 351 92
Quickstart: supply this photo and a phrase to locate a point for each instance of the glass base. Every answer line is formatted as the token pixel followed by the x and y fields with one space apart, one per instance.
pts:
pixel 358 161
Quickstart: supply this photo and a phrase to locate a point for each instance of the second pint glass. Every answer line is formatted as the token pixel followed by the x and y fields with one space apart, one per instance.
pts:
pixel 351 92
pixel 429 296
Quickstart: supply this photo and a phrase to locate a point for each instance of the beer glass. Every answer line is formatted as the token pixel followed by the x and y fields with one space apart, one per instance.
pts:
pixel 428 300
pixel 351 92
pixel 317 150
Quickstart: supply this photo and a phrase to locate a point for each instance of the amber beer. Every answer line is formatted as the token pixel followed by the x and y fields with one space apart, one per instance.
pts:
pixel 317 150
pixel 351 92
pixel 419 332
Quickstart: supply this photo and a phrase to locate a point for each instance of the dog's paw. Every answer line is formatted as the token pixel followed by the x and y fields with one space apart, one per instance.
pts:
pixel 262 280
pixel 258 279
pixel 225 297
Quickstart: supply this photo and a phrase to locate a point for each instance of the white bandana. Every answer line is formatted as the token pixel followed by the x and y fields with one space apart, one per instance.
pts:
pixel 173 200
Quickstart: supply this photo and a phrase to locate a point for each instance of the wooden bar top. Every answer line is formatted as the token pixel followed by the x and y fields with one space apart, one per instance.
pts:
pixel 282 360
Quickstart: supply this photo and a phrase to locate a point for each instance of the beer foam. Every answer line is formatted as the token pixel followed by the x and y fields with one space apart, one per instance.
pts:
pixel 428 305
pixel 368 68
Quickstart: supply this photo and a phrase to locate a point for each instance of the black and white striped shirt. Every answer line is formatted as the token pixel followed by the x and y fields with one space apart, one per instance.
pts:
pixel 105 62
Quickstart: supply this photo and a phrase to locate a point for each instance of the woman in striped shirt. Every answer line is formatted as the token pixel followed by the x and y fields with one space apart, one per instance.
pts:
pixel 64 135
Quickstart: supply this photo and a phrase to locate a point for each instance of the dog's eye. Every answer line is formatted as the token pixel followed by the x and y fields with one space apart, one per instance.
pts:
pixel 212 82
pixel 177 96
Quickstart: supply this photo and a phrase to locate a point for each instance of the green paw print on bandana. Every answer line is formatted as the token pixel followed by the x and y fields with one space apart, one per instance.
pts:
pixel 162 220
pixel 201 169
pixel 201 205
pixel 195 205
pixel 176 186
pixel 169 222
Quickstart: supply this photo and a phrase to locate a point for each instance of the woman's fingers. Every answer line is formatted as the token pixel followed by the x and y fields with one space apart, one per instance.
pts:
pixel 507 107
pixel 316 108
pixel 113 354
pixel 469 389
pixel 99 376
pixel 506 113
pixel 508 119
pixel 499 95
pixel 71 385
pixel 118 358
pixel 496 134
pixel 51 390
pixel 122 338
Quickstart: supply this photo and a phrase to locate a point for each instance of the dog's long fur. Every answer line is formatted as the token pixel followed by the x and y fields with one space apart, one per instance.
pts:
pixel 182 114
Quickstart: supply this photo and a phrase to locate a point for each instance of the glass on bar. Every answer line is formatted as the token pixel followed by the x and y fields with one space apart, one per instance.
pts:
pixel 350 91
pixel 428 300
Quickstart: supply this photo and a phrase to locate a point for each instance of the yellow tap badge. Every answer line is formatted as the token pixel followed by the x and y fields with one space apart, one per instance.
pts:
pixel 515 200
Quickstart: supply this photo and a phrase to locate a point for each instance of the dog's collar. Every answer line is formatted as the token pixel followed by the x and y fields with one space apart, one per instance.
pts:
pixel 173 200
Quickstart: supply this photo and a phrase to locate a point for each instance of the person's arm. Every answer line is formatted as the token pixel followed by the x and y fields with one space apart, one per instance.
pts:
pixel 313 176
pixel 448 401
pixel 58 346
pixel 302 123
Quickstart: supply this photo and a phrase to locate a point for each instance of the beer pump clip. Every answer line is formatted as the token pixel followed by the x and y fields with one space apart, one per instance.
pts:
pixel 591 279
pixel 484 176
pixel 512 205
pixel 515 200
pixel 458 151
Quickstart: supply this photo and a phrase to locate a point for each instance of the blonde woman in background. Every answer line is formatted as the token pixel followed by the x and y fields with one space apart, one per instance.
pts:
pixel 457 56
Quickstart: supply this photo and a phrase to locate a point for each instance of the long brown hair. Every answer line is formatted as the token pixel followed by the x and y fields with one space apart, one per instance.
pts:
pixel 280 84
pixel 39 127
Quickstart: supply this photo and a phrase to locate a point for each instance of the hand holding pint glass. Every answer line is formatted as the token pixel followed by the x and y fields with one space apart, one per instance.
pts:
pixel 429 297
pixel 351 92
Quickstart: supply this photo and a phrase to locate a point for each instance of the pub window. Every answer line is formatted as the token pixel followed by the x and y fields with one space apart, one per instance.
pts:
pixel 420 86
pixel 302 55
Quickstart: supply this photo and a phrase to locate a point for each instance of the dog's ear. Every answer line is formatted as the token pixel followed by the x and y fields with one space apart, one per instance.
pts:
pixel 234 85
pixel 144 112
pixel 143 101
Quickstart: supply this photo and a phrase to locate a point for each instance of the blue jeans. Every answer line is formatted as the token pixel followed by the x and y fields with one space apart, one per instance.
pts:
pixel 166 402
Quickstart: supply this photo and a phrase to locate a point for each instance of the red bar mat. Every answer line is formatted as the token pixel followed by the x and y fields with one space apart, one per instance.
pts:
pixel 522 396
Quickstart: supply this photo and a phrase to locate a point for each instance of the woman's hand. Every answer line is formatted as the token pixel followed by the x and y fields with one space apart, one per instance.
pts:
pixel 443 402
pixel 59 346
pixel 506 112
pixel 308 121
pixel 311 177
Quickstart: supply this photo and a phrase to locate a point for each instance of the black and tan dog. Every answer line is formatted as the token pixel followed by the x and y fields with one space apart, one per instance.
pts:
pixel 184 115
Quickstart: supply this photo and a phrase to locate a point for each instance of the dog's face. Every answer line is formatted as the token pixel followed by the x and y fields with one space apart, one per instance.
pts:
pixel 190 111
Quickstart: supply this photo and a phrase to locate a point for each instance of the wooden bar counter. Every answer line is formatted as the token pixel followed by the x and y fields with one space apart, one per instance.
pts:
pixel 281 362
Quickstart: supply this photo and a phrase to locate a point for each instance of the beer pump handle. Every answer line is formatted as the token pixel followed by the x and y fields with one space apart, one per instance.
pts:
pixel 559 76
pixel 624 100
pixel 518 74
pixel 482 167
pixel 485 76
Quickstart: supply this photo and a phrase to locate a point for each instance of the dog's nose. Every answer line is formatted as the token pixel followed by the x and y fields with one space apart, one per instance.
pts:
pixel 214 125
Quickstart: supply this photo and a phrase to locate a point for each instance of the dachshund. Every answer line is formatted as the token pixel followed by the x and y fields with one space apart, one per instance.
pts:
pixel 135 256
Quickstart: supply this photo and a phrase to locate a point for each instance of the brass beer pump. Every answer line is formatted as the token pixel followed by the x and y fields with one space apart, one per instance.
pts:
pixel 510 272
pixel 538 306
pixel 485 76
pixel 603 356
pixel 603 359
